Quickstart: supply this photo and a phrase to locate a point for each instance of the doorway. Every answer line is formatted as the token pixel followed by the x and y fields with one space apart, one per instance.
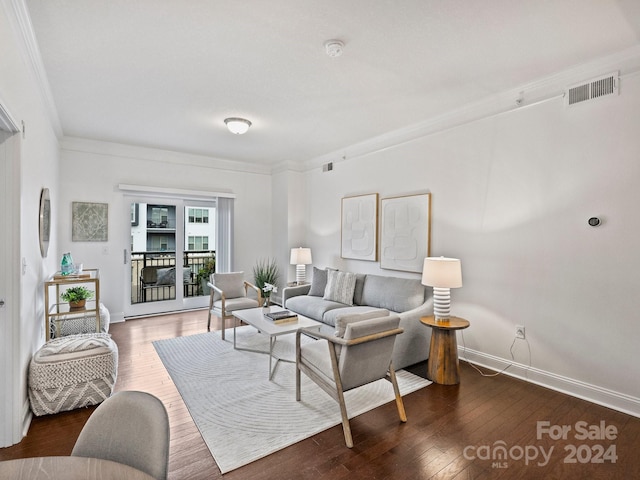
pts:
pixel 172 250
pixel 11 395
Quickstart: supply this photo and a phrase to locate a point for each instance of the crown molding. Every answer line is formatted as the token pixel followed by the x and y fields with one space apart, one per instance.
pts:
pixel 99 147
pixel 627 62
pixel 18 15
pixel 7 122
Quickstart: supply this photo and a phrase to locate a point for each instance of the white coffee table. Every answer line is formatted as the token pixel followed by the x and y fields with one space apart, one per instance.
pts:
pixel 255 317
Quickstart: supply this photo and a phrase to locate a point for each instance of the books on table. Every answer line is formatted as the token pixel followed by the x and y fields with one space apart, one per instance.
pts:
pixel 284 316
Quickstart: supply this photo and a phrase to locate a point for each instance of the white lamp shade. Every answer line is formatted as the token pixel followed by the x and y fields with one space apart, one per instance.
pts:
pixel 442 272
pixel 301 256
pixel 237 126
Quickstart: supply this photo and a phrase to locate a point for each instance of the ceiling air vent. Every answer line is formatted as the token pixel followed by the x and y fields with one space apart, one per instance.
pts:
pixel 595 88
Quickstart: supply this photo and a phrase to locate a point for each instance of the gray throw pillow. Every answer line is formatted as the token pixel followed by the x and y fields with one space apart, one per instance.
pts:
pixel 340 287
pixel 232 284
pixel 318 282
pixel 166 276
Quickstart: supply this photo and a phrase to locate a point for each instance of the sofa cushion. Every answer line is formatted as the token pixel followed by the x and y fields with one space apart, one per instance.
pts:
pixel 166 276
pixel 340 287
pixel 318 282
pixel 343 320
pixel 330 316
pixel 312 307
pixel 393 293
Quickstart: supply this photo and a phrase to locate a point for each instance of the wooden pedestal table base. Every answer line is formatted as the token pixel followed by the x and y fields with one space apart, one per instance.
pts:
pixel 443 366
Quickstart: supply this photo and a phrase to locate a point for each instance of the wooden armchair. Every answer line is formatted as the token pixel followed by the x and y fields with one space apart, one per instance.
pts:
pixel 229 292
pixel 359 353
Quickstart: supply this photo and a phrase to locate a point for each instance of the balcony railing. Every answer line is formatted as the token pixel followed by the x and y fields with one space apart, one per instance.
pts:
pixel 150 282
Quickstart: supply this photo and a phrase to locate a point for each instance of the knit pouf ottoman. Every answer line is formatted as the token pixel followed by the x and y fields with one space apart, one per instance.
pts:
pixel 72 372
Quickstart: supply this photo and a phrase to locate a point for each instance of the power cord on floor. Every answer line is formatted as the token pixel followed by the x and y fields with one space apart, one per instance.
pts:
pixel 505 368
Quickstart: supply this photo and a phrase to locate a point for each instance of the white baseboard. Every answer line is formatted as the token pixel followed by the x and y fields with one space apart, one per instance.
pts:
pixel 592 393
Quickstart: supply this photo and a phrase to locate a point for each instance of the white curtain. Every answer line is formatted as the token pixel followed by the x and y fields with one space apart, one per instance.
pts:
pixel 224 235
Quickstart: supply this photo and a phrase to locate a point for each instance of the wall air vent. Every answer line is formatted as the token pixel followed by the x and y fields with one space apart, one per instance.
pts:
pixel 595 88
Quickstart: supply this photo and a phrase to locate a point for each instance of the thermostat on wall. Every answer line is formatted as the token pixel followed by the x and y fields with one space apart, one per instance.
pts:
pixel 594 221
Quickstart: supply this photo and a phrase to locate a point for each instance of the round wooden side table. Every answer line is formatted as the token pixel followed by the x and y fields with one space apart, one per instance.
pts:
pixel 443 366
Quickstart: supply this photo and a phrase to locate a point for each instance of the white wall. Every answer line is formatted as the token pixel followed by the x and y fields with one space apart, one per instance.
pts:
pixel 38 165
pixel 288 205
pixel 91 172
pixel 511 196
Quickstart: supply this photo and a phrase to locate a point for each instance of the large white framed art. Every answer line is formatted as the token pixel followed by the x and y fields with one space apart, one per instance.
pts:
pixel 405 235
pixel 359 231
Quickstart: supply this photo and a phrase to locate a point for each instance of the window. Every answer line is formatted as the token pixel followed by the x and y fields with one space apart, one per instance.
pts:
pixel 198 243
pixel 198 215
pixel 160 216
pixel 159 243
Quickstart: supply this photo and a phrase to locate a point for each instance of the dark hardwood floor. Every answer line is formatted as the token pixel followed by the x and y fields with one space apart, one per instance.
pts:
pixel 452 431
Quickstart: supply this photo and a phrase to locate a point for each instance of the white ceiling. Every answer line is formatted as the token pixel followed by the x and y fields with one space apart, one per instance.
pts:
pixel 165 74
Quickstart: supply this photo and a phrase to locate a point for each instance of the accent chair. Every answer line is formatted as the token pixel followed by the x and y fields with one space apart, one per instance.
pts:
pixel 131 428
pixel 357 354
pixel 229 292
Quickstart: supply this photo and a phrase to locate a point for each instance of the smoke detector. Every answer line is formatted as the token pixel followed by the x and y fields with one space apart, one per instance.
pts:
pixel 333 47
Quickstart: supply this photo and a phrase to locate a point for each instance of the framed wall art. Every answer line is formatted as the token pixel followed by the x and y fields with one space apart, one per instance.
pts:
pixel 90 222
pixel 359 230
pixel 405 234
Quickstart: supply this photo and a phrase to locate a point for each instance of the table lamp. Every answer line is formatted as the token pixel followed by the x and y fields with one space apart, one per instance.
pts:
pixel 300 257
pixel 442 274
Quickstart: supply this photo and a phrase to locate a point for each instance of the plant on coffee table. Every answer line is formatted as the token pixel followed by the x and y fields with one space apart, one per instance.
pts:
pixel 266 275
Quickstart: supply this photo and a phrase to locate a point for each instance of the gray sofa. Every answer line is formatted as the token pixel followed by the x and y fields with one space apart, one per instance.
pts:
pixel 404 296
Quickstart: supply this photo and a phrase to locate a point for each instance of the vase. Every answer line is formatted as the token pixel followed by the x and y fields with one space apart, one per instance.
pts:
pixel 66 265
pixel 267 302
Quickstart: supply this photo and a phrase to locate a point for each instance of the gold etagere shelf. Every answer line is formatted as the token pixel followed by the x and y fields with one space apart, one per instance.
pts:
pixel 58 312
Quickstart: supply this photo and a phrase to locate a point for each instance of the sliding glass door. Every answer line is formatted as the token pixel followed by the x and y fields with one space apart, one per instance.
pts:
pixel 171 254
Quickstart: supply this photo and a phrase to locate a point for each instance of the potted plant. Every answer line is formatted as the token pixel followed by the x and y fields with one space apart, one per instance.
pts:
pixel 266 275
pixel 77 297
pixel 204 274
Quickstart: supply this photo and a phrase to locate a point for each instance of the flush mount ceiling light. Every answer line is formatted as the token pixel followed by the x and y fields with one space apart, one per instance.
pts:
pixel 236 125
pixel 333 47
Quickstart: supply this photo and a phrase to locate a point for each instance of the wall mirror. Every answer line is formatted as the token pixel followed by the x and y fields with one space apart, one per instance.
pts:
pixel 45 221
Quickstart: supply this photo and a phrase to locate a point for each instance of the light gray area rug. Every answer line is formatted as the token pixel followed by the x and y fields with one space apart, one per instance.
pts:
pixel 243 416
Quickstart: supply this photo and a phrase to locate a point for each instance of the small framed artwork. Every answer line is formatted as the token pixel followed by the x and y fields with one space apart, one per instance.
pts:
pixel 405 235
pixel 90 222
pixel 359 230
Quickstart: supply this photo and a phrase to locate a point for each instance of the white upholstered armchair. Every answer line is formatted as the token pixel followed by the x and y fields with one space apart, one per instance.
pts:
pixel 229 292
pixel 359 353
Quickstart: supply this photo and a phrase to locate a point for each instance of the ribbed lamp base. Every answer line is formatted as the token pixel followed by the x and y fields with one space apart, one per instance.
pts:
pixel 441 303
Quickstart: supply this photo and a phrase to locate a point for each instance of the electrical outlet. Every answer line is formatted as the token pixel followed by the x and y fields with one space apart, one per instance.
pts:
pixel 520 332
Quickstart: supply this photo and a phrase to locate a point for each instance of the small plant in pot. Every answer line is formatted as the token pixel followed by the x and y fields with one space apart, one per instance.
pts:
pixel 205 273
pixel 77 297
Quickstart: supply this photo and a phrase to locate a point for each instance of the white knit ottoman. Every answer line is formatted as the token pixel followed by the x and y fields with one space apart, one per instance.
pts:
pixel 72 372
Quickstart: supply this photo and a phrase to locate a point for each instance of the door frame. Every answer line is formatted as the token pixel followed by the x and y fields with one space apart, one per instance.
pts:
pixel 11 399
pixel 180 302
